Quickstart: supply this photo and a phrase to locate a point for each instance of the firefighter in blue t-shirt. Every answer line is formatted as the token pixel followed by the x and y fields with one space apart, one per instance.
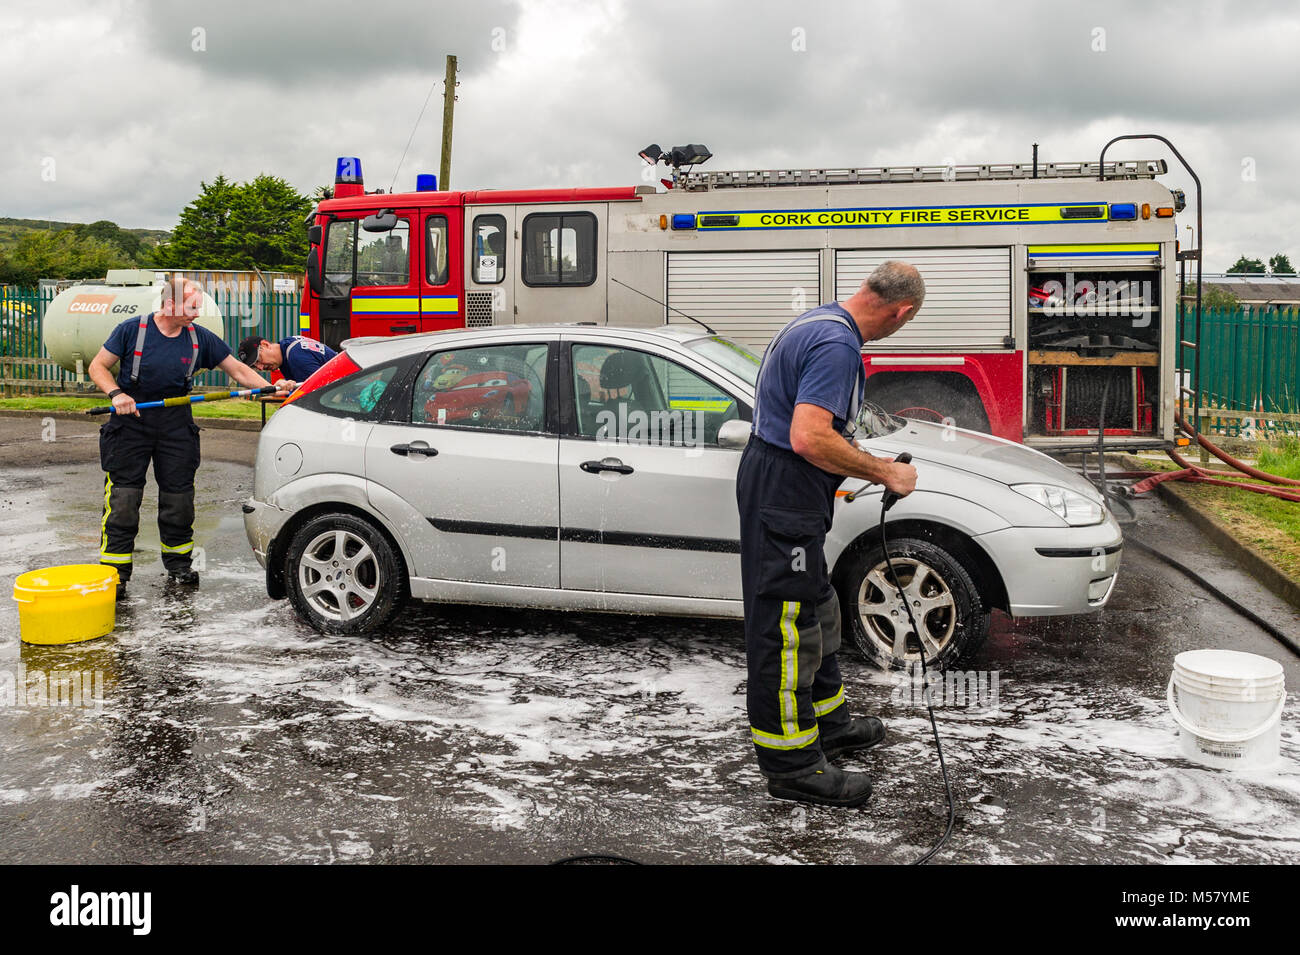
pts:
pixel 295 357
pixel 806 402
pixel 158 356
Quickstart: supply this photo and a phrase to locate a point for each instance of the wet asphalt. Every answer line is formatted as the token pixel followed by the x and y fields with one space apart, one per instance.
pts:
pixel 217 727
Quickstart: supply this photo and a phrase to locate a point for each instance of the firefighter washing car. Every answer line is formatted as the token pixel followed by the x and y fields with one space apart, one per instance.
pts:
pixel 157 355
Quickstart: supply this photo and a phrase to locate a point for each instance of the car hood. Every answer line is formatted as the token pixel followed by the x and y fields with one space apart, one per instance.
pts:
pixel 981 454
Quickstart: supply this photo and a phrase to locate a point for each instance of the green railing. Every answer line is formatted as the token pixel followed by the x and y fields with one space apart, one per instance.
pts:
pixel 22 317
pixel 1250 361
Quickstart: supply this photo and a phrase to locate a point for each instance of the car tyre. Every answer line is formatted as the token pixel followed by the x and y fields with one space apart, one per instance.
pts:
pixel 945 598
pixel 343 575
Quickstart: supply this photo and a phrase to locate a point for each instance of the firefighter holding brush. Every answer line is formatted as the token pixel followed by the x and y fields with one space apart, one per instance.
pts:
pixel 158 356
pixel 800 450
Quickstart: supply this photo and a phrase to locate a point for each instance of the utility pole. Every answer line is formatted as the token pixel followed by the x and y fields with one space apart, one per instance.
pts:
pixel 448 107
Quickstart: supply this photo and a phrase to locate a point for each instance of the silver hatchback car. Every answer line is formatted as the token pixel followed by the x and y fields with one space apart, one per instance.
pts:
pixel 593 468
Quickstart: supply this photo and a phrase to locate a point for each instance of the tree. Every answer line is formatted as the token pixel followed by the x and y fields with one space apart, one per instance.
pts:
pixel 1211 297
pixel 1244 265
pixel 107 231
pixel 1281 265
pixel 66 254
pixel 240 226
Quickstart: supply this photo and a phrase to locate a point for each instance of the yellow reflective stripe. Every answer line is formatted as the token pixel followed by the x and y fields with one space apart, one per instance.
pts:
pixel 719 405
pixel 103 521
pixel 1119 248
pixel 304 320
pixel 105 558
pixel 179 548
pixel 773 741
pixel 362 304
pixel 725 220
pixel 822 707
pixel 449 304
pixel 789 669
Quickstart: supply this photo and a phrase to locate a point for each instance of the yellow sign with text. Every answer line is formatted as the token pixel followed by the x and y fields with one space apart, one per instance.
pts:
pixel 885 217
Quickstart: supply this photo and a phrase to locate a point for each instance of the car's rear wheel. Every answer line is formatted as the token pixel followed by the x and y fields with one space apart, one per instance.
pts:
pixel 945 601
pixel 343 575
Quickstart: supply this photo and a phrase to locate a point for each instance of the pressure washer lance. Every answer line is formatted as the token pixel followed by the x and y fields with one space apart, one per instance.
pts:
pixel 888 500
pixel 190 399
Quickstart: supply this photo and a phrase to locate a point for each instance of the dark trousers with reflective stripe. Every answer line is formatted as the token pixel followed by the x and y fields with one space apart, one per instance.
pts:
pixel 127 446
pixel 792 614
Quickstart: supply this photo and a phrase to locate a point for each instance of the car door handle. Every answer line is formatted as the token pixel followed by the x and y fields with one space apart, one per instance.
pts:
pixel 609 464
pixel 401 329
pixel 419 450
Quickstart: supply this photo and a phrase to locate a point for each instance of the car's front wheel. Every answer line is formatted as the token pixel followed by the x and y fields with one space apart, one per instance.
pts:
pixel 945 601
pixel 342 574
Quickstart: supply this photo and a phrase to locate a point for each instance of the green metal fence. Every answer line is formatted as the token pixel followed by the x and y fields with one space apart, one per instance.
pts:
pixel 272 315
pixel 1250 361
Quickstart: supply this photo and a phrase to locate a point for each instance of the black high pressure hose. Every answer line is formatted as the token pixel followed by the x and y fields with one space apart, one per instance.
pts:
pixel 887 500
pixel 1103 485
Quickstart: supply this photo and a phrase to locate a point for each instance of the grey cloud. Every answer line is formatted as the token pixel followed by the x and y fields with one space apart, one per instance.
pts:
pixel 287 43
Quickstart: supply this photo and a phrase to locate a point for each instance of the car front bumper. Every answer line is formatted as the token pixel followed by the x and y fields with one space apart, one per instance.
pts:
pixel 1049 571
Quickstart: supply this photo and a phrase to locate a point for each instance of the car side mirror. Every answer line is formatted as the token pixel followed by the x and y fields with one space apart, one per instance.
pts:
pixel 733 434
pixel 314 234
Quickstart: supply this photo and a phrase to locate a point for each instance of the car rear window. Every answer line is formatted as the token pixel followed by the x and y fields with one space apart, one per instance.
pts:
pixel 357 395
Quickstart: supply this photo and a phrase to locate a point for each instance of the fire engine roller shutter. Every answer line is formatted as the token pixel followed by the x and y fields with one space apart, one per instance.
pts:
pixel 746 296
pixel 967 295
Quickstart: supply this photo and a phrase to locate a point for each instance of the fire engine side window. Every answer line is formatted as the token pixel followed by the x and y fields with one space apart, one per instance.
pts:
pixel 436 251
pixel 489 249
pixel 340 248
pixel 383 258
pixel 560 249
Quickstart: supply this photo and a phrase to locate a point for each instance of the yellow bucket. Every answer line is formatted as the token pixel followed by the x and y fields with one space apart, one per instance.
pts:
pixel 66 604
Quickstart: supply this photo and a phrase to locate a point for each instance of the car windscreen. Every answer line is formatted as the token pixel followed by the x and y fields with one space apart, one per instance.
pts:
pixel 737 359
pixel 874 421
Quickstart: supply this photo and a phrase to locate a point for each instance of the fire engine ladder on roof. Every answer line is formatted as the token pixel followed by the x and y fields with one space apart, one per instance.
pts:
pixel 1191 425
pixel 698 181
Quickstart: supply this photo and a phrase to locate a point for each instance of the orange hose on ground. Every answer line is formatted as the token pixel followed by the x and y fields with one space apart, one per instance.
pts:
pixel 1229 459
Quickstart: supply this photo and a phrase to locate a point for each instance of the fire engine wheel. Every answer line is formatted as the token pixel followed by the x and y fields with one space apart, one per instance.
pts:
pixel 931 401
pixel 945 602
pixel 343 575
pixel 920 414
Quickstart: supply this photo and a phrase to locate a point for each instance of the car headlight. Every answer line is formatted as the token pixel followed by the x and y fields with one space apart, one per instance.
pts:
pixel 1070 506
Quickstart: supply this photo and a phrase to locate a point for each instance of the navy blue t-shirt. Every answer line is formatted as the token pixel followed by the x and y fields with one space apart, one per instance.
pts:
pixel 300 356
pixel 817 363
pixel 165 362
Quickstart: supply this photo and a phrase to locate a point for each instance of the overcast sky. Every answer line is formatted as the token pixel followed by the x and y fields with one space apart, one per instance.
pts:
pixel 118 109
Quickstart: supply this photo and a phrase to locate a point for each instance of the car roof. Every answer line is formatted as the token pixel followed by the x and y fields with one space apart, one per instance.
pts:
pixel 369 350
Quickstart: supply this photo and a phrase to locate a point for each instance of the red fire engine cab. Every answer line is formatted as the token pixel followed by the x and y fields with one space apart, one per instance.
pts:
pixel 1051 289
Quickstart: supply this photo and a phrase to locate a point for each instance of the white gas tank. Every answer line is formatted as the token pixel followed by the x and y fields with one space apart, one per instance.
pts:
pixel 80 318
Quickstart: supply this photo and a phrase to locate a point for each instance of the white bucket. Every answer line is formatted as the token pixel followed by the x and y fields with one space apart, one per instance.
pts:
pixel 1228 706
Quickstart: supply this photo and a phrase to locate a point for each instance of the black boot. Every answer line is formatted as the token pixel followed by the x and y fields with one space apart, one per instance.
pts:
pixel 859 734
pixel 186 576
pixel 831 786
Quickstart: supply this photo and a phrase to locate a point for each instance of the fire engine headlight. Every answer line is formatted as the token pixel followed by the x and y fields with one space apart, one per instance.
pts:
pixel 1069 506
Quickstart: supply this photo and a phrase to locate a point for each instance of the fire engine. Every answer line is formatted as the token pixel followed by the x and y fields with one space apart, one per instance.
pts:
pixel 1051 289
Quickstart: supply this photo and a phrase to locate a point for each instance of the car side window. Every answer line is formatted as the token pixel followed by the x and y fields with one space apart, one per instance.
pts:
pixel 496 388
pixel 626 395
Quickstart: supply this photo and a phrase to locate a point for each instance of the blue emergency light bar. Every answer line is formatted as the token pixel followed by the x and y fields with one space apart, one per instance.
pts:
pixel 347 169
pixel 1123 210
pixel 426 182
pixel 684 220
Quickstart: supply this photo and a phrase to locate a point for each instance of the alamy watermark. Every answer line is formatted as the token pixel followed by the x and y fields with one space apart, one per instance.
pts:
pixel 968 689
pixel 71 689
